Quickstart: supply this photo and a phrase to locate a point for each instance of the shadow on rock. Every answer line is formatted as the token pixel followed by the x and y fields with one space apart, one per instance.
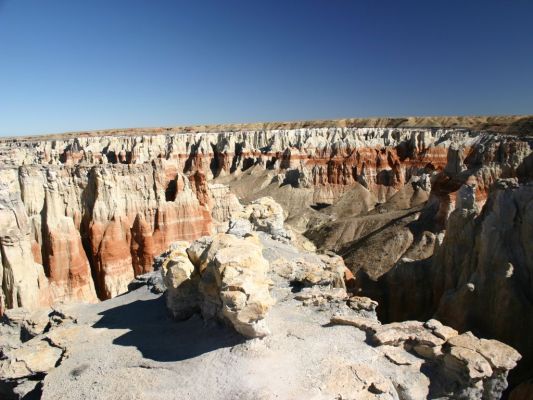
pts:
pixel 160 338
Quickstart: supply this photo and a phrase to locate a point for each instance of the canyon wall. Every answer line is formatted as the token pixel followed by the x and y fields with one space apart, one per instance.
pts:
pixel 84 215
pixel 430 221
pixel 484 268
pixel 456 248
pixel 78 232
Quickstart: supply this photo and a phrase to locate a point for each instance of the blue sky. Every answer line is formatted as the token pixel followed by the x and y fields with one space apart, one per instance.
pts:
pixel 81 65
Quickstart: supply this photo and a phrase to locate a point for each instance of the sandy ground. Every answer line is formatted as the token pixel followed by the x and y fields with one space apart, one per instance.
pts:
pixel 128 348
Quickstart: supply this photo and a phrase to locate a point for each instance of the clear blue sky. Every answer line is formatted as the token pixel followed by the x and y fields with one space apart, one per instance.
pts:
pixel 90 64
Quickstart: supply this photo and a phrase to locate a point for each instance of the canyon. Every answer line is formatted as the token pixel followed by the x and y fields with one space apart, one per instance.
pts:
pixel 432 217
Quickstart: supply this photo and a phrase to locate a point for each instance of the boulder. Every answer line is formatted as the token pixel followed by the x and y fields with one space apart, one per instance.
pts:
pixel 363 304
pixel 224 277
pixel 241 272
pixel 267 215
pixel 32 358
pixel 499 355
pixel 153 280
pixel 440 330
pixel 410 332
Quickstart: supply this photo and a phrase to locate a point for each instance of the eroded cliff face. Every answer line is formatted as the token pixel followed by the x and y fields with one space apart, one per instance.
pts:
pixel 380 159
pixel 377 234
pixel 87 230
pixel 22 277
pixel 93 211
pixel 484 268
pixel 461 256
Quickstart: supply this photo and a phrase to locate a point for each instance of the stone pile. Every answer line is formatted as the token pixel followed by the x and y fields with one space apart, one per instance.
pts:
pixel 32 344
pixel 465 366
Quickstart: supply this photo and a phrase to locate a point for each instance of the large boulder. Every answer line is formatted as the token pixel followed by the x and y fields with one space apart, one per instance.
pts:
pixel 225 278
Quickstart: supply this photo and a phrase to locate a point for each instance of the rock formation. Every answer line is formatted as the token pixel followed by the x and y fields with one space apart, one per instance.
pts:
pixel 474 276
pixel 225 276
pixel 467 367
pixel 231 286
pixel 95 227
pixel 484 266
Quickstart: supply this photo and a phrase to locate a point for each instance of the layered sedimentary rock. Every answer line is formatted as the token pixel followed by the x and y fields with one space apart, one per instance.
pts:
pixel 484 266
pixel 113 202
pixel 378 243
pixel 381 159
pixel 24 283
pixel 92 229
pixel 427 197
pixel 93 211
pixel 82 215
